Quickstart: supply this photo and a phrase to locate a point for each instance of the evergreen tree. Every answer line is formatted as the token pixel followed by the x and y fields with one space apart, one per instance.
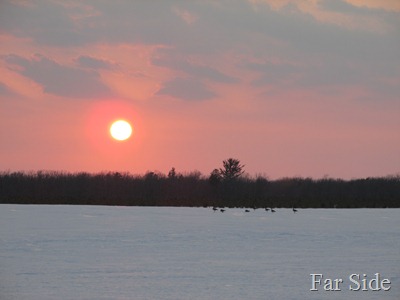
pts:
pixel 232 169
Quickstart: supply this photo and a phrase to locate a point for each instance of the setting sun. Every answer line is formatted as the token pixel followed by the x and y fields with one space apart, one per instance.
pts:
pixel 120 130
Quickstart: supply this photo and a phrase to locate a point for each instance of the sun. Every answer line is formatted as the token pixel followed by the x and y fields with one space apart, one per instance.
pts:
pixel 121 130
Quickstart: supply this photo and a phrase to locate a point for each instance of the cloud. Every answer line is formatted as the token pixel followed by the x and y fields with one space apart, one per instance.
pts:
pixel 214 27
pixel 5 90
pixel 327 77
pixel 94 63
pixel 176 61
pixel 185 15
pixel 197 76
pixel 62 24
pixel 203 72
pixel 43 22
pixel 341 13
pixel 186 89
pixel 58 79
pixel 332 41
pixel 273 73
pixel 388 5
pixel 344 7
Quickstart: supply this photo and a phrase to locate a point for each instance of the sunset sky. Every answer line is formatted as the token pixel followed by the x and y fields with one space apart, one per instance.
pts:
pixel 291 88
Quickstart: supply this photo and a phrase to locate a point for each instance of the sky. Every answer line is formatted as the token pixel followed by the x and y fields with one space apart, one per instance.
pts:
pixel 290 88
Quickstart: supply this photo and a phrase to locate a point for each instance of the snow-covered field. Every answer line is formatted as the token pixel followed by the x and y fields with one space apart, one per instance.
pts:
pixel 93 252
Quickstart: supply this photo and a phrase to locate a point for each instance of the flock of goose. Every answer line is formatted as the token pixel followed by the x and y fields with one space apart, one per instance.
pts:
pixel 222 209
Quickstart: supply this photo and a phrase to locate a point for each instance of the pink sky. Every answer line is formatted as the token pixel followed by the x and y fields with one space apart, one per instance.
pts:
pixel 291 88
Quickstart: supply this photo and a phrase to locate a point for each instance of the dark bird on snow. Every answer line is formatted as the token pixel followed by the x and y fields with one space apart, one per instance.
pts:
pixel 266 209
pixel 272 210
pixel 222 210
pixel 246 210
pixel 294 210
pixel 214 208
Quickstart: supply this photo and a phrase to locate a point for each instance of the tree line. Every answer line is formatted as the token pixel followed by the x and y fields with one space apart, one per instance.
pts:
pixel 224 187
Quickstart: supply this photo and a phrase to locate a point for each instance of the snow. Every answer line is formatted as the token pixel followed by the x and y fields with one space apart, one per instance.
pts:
pixel 95 252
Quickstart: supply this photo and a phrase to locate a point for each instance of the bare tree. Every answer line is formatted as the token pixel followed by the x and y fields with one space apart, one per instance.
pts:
pixel 172 173
pixel 215 177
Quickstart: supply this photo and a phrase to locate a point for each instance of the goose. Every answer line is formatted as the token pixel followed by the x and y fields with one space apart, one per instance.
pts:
pixel 266 209
pixel 272 210
pixel 214 208
pixel 294 210
pixel 246 210
pixel 222 210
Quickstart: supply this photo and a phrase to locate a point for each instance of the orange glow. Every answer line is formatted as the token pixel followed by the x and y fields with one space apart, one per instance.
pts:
pixel 99 119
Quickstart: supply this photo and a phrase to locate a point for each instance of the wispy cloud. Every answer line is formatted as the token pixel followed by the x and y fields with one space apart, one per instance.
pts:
pixel 94 63
pixel 58 79
pixel 185 15
pixel 5 90
pixel 186 89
